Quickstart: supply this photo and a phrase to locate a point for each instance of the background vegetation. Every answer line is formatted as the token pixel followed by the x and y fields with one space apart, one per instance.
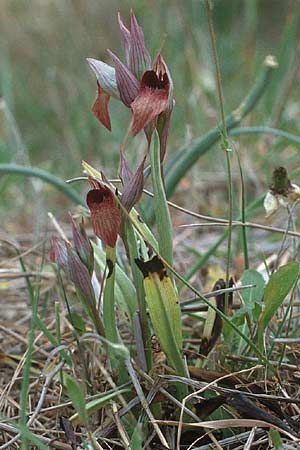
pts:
pixel 47 88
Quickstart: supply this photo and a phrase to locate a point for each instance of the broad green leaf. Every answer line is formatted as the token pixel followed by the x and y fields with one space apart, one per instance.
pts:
pixel 164 309
pixel 278 287
pixel 77 398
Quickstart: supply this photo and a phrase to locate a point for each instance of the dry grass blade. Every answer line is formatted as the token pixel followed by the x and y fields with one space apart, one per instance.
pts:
pixel 229 423
pixel 202 389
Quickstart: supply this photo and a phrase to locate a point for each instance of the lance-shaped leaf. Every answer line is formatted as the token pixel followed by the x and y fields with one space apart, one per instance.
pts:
pixel 164 309
pixel 83 245
pixel 151 100
pixel 140 60
pixel 105 214
pixel 278 287
pixel 133 183
pixel 127 83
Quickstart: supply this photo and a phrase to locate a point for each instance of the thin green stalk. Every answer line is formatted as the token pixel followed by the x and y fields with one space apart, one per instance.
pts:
pixel 230 216
pixel 161 208
pixel 109 313
pixel 209 8
pixel 243 213
pixel 58 335
pixel 61 186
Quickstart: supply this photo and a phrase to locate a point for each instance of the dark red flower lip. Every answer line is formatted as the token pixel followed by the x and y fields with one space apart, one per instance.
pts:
pixel 105 214
pixel 151 100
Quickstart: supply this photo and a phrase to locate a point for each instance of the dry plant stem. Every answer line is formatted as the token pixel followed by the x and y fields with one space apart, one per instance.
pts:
pixel 193 394
pixel 39 406
pixel 286 366
pixel 230 423
pixel 236 223
pixel 54 443
pixel 144 403
pixel 250 439
pixel 215 221
pixel 121 429
pixel 224 136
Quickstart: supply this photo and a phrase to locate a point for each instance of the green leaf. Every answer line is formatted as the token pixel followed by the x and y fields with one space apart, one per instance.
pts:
pixel 137 437
pixel 276 439
pixel 278 287
pixel 77 321
pixel 252 296
pixel 96 404
pixel 77 398
pixel 125 293
pixel 164 310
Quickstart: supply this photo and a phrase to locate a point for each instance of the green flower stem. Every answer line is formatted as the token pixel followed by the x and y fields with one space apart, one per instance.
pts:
pixel 138 281
pixel 65 189
pixel 225 144
pixel 161 208
pixel 109 315
pixel 183 159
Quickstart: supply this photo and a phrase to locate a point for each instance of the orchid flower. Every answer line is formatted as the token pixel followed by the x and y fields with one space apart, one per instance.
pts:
pixel 147 90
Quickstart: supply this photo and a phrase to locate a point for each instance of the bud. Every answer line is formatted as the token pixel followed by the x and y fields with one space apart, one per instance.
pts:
pixel 83 245
pixel 133 183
